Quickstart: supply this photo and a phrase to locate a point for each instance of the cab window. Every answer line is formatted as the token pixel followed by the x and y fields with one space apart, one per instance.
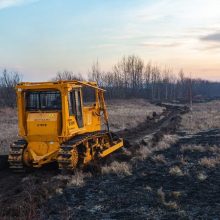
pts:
pixel 89 97
pixel 43 100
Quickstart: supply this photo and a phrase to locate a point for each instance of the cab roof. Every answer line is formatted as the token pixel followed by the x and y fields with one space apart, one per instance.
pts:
pixel 56 84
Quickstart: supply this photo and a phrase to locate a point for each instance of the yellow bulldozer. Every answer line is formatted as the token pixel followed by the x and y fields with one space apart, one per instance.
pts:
pixel 58 122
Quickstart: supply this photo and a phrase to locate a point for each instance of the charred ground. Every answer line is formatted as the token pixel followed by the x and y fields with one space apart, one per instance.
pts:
pixel 164 172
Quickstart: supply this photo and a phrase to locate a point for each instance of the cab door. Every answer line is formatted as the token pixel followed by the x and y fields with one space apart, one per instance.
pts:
pixel 75 106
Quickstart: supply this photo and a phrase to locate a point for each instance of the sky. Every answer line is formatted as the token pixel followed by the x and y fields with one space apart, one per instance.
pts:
pixel 38 38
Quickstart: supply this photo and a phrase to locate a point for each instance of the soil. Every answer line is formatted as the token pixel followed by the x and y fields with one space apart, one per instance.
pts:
pixel 150 192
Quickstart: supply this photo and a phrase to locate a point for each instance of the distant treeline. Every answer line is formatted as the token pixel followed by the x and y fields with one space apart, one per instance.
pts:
pixel 130 78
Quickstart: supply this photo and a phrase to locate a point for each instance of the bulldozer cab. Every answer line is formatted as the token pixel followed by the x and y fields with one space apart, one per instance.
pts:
pixel 59 110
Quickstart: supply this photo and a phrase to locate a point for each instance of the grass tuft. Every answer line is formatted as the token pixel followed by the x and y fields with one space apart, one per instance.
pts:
pixel 209 162
pixel 161 196
pixel 78 179
pixel 176 171
pixel 118 168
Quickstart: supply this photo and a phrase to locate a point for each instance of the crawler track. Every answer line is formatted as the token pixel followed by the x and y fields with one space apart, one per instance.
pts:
pixel 65 157
pixel 15 157
pixel 75 152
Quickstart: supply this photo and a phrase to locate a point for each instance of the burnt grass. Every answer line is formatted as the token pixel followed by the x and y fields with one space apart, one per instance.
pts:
pixel 136 196
pixel 150 192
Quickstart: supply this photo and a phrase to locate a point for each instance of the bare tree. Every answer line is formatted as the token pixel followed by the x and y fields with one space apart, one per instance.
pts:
pixel 95 74
pixel 8 81
pixel 68 75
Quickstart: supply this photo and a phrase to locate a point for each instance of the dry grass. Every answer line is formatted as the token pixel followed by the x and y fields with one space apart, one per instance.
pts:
pixel 118 168
pixel 202 177
pixel 176 171
pixel 148 188
pixel 166 142
pixel 8 128
pixel 199 148
pixel 182 159
pixel 161 196
pixel 143 152
pixel 192 148
pixel 214 149
pixel 129 113
pixel 78 179
pixel 176 194
pixel 146 151
pixel 62 177
pixel 159 158
pixel 204 116
pixel 210 162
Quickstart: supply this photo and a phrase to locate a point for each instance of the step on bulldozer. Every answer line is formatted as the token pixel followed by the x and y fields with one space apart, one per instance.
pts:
pixel 61 122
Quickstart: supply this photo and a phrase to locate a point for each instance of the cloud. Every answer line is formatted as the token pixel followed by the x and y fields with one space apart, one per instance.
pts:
pixel 11 3
pixel 211 42
pixel 214 47
pixel 211 37
pixel 160 45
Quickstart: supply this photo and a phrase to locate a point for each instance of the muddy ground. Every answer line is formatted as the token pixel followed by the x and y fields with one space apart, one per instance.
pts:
pixel 167 174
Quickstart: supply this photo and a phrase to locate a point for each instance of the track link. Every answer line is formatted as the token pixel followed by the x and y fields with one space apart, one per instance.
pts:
pixel 15 157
